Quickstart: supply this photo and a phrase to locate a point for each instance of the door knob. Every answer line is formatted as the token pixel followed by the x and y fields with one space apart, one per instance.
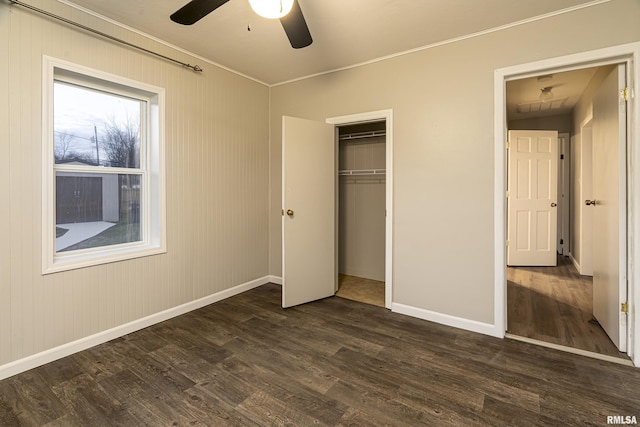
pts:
pixel 553 205
pixel 289 212
pixel 590 202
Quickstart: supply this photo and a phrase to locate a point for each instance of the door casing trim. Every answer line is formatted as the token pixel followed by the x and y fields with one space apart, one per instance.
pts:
pixel 629 53
pixel 387 116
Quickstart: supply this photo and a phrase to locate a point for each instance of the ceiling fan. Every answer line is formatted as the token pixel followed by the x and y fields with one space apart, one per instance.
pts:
pixel 293 22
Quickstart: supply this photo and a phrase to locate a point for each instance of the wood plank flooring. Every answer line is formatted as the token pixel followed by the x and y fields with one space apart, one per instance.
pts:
pixel 335 362
pixel 555 305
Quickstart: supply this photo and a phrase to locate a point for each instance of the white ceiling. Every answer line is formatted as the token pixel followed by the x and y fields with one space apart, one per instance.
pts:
pixel 345 32
pixel 523 96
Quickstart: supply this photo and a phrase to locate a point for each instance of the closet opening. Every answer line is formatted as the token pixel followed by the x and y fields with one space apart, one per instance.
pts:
pixel 361 211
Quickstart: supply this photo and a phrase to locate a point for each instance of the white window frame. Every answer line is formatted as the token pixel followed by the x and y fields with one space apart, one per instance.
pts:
pixel 151 171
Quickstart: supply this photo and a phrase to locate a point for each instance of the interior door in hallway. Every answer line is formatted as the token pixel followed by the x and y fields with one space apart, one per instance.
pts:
pixel 609 207
pixel 532 218
pixel 308 211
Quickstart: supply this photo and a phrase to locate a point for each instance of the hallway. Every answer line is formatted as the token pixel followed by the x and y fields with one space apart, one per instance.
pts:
pixel 554 305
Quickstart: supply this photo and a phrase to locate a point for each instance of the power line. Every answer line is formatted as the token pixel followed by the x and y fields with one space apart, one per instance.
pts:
pixel 59 132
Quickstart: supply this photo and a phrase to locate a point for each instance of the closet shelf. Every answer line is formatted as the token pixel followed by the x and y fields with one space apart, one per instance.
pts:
pixel 361 135
pixel 362 172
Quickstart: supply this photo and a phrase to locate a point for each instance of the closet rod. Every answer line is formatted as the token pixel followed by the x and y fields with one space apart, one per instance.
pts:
pixel 360 135
pixel 362 172
pixel 195 68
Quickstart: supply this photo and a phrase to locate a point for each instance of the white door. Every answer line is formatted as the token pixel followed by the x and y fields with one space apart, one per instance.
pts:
pixel 308 211
pixel 532 198
pixel 585 186
pixel 564 201
pixel 609 210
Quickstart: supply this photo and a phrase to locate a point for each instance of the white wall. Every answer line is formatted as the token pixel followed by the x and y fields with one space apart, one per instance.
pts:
pixel 217 163
pixel 442 101
pixel 561 123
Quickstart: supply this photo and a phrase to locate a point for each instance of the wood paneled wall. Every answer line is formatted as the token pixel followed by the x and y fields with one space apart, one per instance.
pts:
pixel 5 185
pixel 217 174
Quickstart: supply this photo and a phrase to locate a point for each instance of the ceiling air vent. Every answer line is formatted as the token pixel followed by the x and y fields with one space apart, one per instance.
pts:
pixel 538 106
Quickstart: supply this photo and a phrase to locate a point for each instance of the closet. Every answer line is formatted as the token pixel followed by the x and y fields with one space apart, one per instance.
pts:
pixel 361 211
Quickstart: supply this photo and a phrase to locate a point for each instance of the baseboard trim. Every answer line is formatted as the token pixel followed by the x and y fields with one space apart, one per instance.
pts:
pixel 39 359
pixel 275 279
pixel 575 263
pixel 444 319
pixel 448 320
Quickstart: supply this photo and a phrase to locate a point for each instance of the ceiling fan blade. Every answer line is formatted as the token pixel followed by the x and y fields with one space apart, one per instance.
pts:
pixel 195 10
pixel 296 28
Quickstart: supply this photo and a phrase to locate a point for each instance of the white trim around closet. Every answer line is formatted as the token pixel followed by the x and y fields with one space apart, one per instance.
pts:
pixel 380 115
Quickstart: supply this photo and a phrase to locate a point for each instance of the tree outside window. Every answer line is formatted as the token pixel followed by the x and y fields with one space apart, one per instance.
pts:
pixel 104 199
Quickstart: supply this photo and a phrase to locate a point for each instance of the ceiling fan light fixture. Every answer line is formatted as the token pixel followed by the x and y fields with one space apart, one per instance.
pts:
pixel 271 9
pixel 546 94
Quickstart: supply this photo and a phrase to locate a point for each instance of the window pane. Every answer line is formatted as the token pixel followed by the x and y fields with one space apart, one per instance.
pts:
pixel 94 210
pixel 83 116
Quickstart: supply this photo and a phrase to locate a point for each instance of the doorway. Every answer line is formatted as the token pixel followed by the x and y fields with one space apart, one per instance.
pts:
pixel 364 215
pixel 361 212
pixel 551 302
pixel 543 68
pixel 310 192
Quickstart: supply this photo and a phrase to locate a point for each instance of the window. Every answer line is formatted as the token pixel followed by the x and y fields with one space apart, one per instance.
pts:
pixel 104 176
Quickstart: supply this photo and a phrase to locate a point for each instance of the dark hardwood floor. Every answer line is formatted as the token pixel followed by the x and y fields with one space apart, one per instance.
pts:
pixel 555 305
pixel 246 361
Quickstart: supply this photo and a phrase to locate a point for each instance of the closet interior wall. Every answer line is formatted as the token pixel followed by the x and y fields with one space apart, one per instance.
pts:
pixel 362 190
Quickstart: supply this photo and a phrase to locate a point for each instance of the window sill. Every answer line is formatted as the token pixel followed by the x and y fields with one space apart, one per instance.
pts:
pixel 88 259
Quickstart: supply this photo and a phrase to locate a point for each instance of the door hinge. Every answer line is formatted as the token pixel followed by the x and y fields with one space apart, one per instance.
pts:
pixel 282 212
pixel 561 156
pixel 507 194
pixel 507 243
pixel 562 241
pixel 508 145
pixel 624 93
pixel 624 307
